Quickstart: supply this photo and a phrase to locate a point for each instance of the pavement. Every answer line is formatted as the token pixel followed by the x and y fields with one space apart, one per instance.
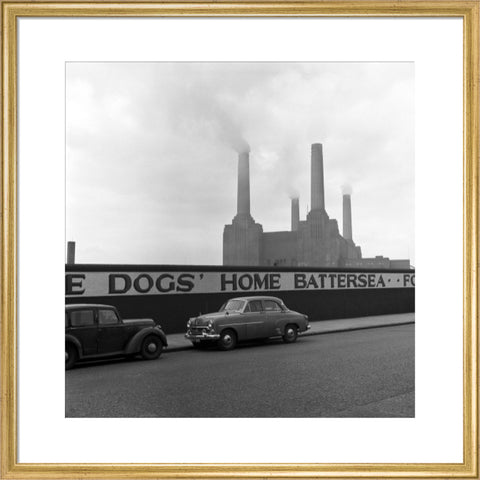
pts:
pixel 362 373
pixel 178 342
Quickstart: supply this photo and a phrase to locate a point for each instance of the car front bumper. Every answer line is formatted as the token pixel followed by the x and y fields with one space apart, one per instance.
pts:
pixel 196 337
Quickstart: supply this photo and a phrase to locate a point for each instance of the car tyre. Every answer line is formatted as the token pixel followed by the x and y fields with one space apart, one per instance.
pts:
pixel 151 347
pixel 291 333
pixel 227 340
pixel 71 356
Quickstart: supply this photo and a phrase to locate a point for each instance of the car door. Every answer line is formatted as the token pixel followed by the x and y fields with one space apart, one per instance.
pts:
pixel 254 316
pixel 273 317
pixel 112 333
pixel 84 329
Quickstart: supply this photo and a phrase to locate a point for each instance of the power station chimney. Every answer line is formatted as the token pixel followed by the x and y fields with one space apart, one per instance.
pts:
pixel 295 214
pixel 317 188
pixel 70 253
pixel 243 193
pixel 347 216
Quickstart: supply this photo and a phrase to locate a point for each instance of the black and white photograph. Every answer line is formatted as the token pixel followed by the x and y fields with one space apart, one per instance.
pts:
pixel 240 239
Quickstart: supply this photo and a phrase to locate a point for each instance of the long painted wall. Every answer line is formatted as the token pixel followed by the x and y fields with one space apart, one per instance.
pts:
pixel 171 294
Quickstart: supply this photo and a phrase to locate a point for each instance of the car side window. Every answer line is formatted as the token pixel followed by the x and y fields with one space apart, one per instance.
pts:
pixel 81 318
pixel 271 306
pixel 256 306
pixel 247 308
pixel 107 317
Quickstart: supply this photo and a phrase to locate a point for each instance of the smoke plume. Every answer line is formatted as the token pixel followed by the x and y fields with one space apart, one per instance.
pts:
pixel 346 189
pixel 202 105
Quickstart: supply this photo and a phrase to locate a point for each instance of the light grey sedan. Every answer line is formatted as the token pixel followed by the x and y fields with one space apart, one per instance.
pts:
pixel 246 318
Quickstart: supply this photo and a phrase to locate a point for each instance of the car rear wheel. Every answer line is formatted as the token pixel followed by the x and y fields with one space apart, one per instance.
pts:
pixel 151 347
pixel 71 356
pixel 227 340
pixel 290 334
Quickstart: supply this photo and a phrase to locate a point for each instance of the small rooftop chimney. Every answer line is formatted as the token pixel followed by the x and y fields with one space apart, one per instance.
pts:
pixel 71 253
pixel 317 188
pixel 347 216
pixel 243 193
pixel 295 214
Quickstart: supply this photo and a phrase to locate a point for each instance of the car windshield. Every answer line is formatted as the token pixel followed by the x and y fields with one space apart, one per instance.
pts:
pixel 233 306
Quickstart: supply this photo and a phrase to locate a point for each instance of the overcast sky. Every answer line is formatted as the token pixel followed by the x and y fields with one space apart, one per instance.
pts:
pixel 151 163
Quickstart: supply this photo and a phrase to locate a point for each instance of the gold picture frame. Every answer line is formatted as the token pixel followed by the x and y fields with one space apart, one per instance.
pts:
pixel 467 10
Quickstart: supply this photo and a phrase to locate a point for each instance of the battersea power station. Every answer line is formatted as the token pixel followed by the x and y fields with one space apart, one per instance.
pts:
pixel 313 242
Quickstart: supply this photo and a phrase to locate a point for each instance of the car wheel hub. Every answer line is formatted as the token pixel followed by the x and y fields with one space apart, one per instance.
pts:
pixel 152 347
pixel 227 339
pixel 66 356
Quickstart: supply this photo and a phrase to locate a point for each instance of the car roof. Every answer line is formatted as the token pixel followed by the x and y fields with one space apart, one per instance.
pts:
pixel 75 306
pixel 257 297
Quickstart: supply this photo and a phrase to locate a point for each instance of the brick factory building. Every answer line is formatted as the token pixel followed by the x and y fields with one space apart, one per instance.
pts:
pixel 313 242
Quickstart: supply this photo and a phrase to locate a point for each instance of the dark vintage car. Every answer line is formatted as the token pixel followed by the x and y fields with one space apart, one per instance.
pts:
pixel 246 318
pixel 97 331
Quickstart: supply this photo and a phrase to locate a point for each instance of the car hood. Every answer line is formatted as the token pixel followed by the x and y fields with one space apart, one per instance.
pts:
pixel 204 319
pixel 147 322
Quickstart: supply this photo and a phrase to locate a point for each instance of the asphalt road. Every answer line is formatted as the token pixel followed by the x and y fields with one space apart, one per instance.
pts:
pixel 367 373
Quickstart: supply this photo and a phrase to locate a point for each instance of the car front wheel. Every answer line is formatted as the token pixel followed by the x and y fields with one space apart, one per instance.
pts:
pixel 227 340
pixel 71 356
pixel 151 347
pixel 291 334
